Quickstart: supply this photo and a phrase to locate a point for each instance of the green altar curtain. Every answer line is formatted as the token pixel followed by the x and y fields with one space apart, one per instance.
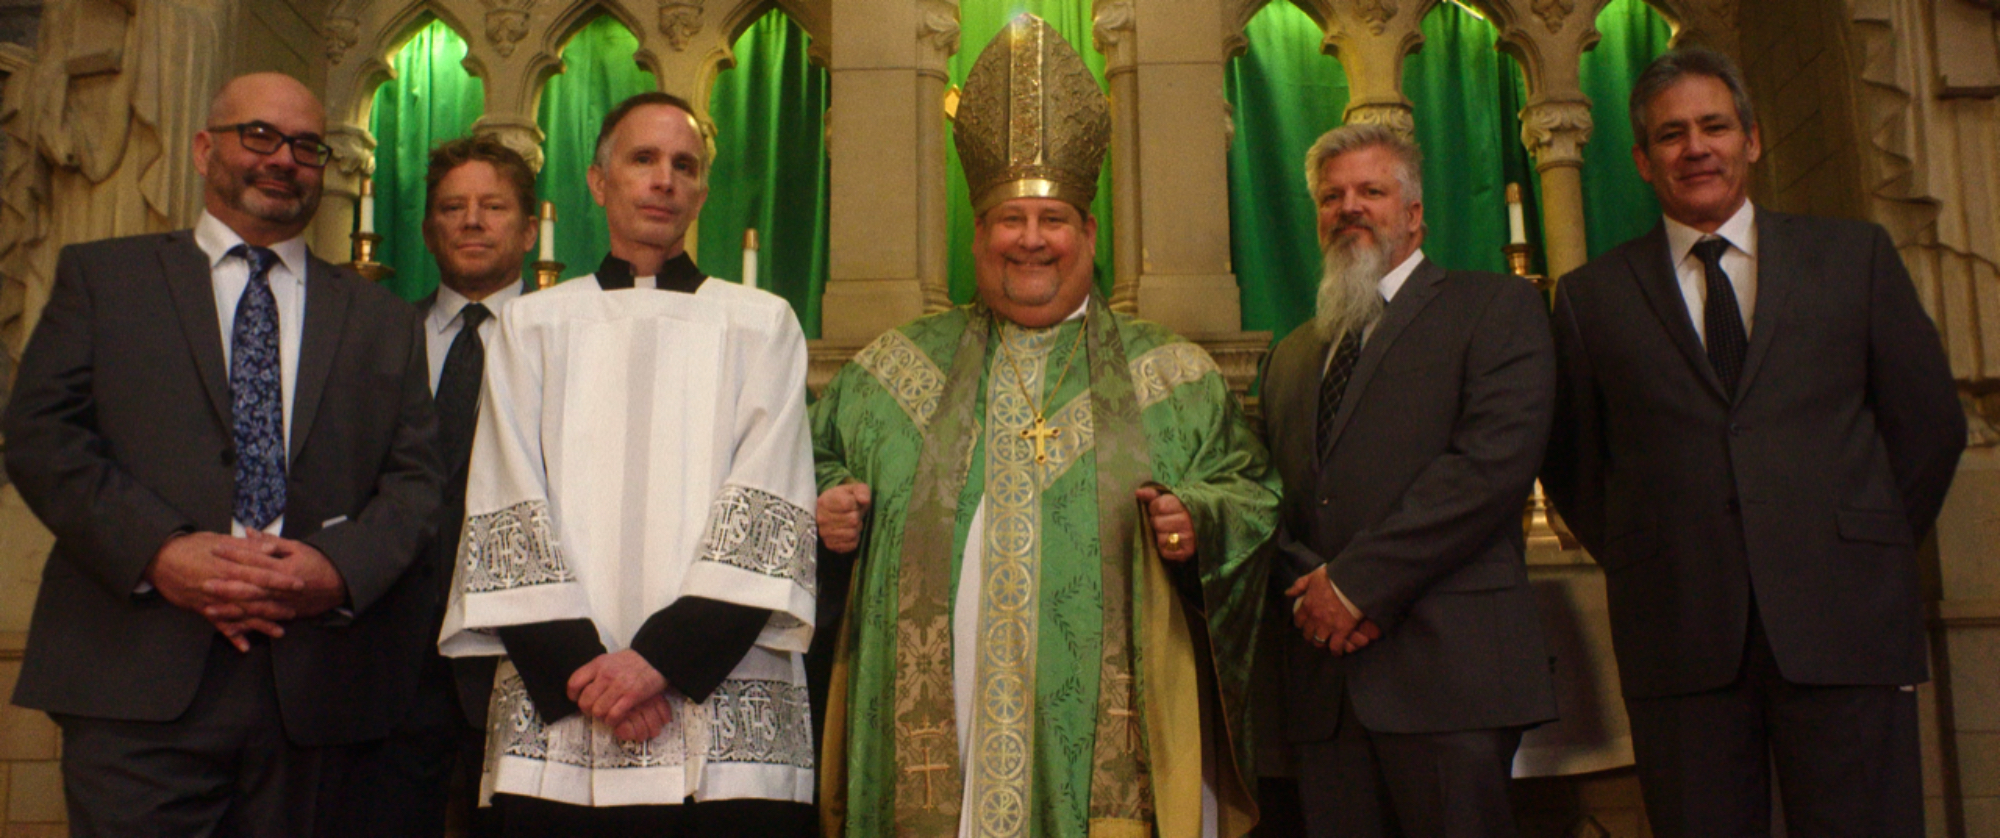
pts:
pixel 978 22
pixel 597 73
pixel 771 167
pixel 1619 205
pixel 431 98
pixel 1467 98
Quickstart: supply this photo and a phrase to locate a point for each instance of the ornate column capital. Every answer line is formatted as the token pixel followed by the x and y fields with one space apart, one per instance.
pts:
pixel 521 134
pixel 1371 38
pixel 1547 37
pixel 1710 23
pixel 1399 117
pixel 353 150
pixel 937 33
pixel 1556 132
pixel 1111 31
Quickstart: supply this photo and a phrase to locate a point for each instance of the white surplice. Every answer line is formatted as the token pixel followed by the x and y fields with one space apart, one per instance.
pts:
pixel 636 446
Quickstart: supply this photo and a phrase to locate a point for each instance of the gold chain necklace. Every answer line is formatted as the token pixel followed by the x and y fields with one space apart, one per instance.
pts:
pixel 1041 433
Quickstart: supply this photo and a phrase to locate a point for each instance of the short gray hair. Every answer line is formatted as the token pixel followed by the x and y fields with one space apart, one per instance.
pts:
pixel 1360 135
pixel 1668 70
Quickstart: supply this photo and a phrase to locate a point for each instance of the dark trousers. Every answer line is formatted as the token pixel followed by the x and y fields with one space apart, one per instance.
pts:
pixel 1364 784
pixel 405 785
pixel 530 817
pixel 1847 758
pixel 224 768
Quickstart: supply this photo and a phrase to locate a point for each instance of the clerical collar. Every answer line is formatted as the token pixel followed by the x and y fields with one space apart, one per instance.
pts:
pixel 678 274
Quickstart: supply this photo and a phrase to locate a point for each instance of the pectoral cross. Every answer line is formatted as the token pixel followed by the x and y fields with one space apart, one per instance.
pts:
pixel 1041 434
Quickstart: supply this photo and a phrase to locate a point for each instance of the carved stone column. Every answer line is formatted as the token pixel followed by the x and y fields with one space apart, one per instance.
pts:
pixel 1174 160
pixel 1371 38
pixel 888 239
pixel 1112 32
pixel 1548 38
pixel 1709 23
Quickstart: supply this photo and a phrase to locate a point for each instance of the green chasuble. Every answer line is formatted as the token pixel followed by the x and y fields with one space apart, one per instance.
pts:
pixel 1098 680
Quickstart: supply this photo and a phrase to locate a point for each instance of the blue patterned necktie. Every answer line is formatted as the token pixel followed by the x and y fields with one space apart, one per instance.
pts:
pixel 256 394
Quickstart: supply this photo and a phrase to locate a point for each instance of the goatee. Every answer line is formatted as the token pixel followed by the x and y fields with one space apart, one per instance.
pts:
pixel 1350 291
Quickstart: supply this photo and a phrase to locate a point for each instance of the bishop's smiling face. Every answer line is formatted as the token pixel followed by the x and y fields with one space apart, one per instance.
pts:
pixel 1033 257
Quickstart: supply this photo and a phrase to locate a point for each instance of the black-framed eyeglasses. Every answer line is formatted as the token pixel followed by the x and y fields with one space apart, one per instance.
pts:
pixel 264 139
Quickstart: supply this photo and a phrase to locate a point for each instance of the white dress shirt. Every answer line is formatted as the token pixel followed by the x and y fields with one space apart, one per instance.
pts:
pixel 1739 261
pixel 230 275
pixel 441 325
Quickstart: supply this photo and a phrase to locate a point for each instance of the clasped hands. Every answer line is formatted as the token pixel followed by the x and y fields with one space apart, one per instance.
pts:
pixel 842 511
pixel 1324 619
pixel 248 584
pixel 622 690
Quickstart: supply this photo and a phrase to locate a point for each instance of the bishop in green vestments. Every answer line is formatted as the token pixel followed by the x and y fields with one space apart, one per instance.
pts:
pixel 1058 510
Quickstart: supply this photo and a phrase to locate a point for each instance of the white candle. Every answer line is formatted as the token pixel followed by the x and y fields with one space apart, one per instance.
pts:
pixel 1517 222
pixel 367 205
pixel 750 258
pixel 548 235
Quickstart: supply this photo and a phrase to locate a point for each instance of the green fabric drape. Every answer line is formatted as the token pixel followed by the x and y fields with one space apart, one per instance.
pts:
pixel 431 99
pixel 978 22
pixel 1285 93
pixel 771 167
pixel 1619 205
pixel 598 73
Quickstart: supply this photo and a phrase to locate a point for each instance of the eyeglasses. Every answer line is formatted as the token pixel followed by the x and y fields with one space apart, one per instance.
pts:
pixel 264 139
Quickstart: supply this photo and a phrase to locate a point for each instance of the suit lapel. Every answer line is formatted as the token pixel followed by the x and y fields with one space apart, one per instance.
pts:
pixel 189 279
pixel 1780 263
pixel 326 311
pixel 1416 293
pixel 1653 268
pixel 1308 364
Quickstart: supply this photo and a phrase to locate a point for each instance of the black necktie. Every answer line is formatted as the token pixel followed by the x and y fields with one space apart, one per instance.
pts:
pixel 1722 320
pixel 256 393
pixel 1333 386
pixel 458 388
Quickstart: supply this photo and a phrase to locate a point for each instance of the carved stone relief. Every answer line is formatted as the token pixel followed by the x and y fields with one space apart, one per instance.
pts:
pixel 507 23
pixel 1395 117
pixel 1111 26
pixel 680 21
pixel 1554 12
pixel 341 34
pixel 937 27
pixel 1375 13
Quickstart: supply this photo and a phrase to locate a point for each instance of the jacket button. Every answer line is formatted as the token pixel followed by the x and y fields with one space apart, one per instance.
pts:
pixel 229 456
pixel 1325 502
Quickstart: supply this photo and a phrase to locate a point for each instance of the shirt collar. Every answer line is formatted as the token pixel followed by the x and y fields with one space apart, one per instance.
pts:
pixel 449 304
pixel 1740 231
pixel 216 240
pixel 678 274
pixel 1394 280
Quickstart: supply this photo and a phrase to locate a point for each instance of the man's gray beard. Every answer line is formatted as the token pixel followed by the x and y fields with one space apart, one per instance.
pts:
pixel 1350 289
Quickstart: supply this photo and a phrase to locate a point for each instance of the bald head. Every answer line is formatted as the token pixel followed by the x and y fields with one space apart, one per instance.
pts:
pixel 265 196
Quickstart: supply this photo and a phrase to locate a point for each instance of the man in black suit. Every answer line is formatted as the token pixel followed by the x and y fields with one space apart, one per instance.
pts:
pixel 233 443
pixel 1407 421
pixel 479 223
pixel 1756 426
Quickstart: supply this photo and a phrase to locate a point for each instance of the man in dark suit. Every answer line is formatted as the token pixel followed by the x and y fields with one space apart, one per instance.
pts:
pixel 233 443
pixel 1407 421
pixel 1756 426
pixel 479 223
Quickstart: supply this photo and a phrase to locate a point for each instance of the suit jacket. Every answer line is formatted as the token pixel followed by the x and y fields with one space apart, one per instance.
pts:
pixel 1811 484
pixel 119 436
pixel 1417 513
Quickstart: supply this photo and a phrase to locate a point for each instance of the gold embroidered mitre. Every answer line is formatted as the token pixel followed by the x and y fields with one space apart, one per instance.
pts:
pixel 1032 122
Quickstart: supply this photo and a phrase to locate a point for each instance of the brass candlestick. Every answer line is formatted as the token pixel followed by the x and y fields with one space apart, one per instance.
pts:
pixel 546 273
pixel 364 257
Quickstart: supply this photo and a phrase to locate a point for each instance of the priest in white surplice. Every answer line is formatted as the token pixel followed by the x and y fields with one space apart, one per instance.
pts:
pixel 639 537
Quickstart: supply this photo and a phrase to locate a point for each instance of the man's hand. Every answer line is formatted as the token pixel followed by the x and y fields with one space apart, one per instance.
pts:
pixel 646 720
pixel 1173 528
pixel 614 685
pixel 319 588
pixel 1326 621
pixel 190 572
pixel 841 511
